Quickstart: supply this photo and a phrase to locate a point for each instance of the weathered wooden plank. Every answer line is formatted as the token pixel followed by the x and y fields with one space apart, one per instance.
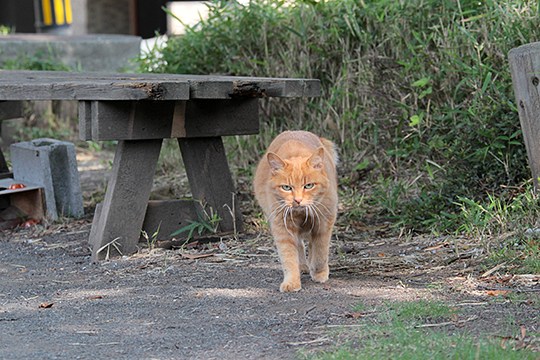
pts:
pixel 131 120
pixel 120 120
pixel 525 69
pixel 128 192
pixel 4 169
pixel 226 88
pixel 162 216
pixel 210 179
pixel 10 109
pixel 209 118
pixel 168 216
pixel 44 85
pixel 85 120
pixel 93 90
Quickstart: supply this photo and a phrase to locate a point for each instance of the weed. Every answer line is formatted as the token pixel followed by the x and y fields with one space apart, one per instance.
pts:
pixel 4 30
pixel 151 240
pixel 208 222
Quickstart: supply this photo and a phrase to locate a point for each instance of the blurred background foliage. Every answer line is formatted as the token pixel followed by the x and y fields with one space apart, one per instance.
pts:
pixel 416 94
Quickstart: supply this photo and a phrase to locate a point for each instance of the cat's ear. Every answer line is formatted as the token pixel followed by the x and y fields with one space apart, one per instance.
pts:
pixel 275 162
pixel 316 159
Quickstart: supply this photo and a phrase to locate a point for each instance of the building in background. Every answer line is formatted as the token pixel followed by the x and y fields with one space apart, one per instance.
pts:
pixel 144 18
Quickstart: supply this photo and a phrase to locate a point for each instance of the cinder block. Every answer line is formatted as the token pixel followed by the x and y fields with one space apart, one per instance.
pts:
pixel 92 52
pixel 51 164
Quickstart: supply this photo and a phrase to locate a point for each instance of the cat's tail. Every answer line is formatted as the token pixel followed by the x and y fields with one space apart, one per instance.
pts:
pixel 330 147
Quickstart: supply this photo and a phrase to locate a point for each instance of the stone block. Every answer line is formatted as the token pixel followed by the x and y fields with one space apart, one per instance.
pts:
pixel 99 53
pixel 51 164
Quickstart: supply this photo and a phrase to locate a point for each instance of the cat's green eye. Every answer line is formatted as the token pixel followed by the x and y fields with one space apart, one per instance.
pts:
pixel 286 187
pixel 309 186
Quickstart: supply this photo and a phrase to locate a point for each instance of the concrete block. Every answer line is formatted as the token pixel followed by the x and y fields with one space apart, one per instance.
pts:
pixel 51 164
pixel 99 53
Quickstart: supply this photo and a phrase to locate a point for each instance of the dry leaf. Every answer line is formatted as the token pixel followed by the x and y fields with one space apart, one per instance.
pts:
pixel 355 315
pixel 46 305
pixel 436 247
pixel 95 297
pixel 497 292
pixel 523 332
pixel 381 255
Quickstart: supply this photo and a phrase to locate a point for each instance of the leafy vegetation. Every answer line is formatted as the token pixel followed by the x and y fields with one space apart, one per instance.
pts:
pixel 417 95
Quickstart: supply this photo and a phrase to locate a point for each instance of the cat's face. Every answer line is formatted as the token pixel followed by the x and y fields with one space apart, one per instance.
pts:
pixel 298 182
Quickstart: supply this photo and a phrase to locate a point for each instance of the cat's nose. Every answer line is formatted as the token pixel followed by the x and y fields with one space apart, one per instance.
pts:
pixel 297 201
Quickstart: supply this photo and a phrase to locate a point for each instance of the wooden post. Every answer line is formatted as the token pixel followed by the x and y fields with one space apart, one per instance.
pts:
pixel 8 110
pixel 210 179
pixel 525 69
pixel 122 215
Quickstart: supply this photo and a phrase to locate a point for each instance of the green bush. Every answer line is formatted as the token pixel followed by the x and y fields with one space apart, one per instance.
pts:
pixel 415 92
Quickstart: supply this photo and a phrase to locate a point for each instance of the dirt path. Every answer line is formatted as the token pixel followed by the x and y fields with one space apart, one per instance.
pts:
pixel 165 304
pixel 221 301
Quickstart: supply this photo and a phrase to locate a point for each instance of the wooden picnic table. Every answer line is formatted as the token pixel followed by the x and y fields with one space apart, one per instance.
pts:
pixel 139 111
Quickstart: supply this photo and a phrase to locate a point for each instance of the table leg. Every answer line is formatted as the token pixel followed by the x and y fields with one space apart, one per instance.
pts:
pixel 120 220
pixel 4 169
pixel 8 110
pixel 210 179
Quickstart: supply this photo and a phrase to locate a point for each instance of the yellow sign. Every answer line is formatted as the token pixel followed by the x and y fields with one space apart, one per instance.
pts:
pixel 56 12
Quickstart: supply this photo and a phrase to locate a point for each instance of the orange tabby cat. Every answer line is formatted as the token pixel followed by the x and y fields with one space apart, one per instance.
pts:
pixel 296 186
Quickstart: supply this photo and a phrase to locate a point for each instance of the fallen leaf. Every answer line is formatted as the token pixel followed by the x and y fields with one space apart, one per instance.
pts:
pixel 381 255
pixel 46 305
pixel 354 315
pixel 436 247
pixel 95 297
pixel 523 331
pixel 196 256
pixel 497 292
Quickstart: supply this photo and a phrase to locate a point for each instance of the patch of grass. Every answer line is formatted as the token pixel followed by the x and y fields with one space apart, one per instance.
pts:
pixel 38 61
pixel 395 334
pixel 415 312
pixel 520 253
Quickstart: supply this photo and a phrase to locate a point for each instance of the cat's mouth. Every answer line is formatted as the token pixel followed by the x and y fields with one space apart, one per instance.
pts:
pixel 297 208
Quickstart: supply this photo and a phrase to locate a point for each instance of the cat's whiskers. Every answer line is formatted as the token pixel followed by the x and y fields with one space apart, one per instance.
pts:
pixel 324 215
pixel 324 206
pixel 281 206
pixel 287 211
pixel 311 211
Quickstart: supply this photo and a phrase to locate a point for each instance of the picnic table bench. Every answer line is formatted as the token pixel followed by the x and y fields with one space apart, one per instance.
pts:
pixel 139 111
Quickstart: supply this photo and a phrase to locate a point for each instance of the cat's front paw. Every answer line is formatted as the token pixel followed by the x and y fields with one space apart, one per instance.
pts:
pixel 290 286
pixel 320 276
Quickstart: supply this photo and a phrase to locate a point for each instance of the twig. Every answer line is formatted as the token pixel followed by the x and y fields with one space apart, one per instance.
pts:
pixel 321 339
pixel 472 304
pixel 341 325
pixel 108 247
pixel 310 309
pixel 459 322
pixel 491 271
